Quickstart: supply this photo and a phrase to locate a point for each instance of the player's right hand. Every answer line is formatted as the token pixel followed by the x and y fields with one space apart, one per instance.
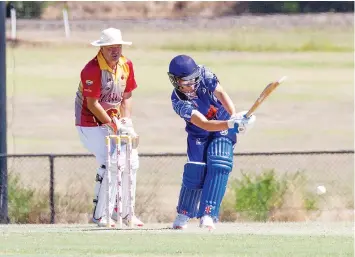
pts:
pixel 126 127
pixel 111 127
pixel 239 123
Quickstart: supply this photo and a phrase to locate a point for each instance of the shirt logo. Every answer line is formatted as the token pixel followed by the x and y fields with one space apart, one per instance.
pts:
pixel 89 82
pixel 212 111
pixel 224 132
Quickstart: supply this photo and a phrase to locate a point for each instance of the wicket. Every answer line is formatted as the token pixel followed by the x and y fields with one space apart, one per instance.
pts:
pixel 118 139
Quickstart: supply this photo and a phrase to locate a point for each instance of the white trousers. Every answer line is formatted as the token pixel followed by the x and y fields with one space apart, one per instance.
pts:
pixel 93 139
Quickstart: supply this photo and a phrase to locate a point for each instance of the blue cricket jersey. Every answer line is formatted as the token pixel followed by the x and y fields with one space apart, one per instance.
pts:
pixel 207 104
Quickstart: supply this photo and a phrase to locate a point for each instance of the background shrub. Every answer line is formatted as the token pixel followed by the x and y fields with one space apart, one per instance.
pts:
pixel 265 196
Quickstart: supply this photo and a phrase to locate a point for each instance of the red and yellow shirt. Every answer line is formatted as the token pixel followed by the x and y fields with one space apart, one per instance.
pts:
pixel 98 80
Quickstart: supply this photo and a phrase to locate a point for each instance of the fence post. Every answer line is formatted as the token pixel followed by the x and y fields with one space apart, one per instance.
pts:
pixel 51 188
pixel 3 127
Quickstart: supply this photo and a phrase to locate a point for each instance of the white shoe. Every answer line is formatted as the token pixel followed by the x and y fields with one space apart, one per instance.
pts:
pixel 103 222
pixel 207 222
pixel 180 221
pixel 136 222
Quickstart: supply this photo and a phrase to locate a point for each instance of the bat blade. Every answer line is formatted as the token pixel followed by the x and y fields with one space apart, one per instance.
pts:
pixel 266 92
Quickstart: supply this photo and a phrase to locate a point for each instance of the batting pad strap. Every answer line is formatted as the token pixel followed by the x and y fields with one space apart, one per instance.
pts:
pixel 219 165
pixel 191 189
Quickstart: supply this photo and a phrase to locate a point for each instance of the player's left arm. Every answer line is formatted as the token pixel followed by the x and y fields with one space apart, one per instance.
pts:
pixel 127 98
pixel 224 98
pixel 125 121
pixel 126 105
pixel 212 84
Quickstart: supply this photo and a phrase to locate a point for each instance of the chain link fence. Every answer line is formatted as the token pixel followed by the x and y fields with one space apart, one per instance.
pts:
pixel 61 186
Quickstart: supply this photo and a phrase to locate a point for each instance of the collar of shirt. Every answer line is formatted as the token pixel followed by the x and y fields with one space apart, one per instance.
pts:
pixel 104 66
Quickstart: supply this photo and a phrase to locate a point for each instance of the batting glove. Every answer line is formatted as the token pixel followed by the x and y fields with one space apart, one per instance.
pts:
pixel 126 128
pixel 239 123
pixel 111 127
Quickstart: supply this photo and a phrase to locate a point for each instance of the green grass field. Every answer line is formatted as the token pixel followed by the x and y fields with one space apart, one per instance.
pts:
pixel 239 240
pixel 312 110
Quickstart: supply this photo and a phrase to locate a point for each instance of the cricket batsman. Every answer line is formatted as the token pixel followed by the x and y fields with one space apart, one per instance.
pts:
pixel 212 125
pixel 103 106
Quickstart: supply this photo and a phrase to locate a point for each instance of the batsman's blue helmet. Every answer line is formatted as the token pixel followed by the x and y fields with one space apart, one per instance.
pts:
pixel 183 67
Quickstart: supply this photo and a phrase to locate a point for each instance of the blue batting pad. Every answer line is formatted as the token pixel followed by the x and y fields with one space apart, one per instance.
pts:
pixel 190 193
pixel 219 165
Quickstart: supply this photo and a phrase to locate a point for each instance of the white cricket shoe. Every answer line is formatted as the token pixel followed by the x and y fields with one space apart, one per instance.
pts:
pixel 136 222
pixel 102 222
pixel 207 222
pixel 180 221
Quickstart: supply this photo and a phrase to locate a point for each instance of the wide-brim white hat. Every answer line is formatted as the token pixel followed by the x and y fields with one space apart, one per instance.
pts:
pixel 110 36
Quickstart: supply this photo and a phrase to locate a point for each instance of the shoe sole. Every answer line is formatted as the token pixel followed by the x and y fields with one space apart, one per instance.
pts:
pixel 179 227
pixel 208 227
pixel 137 225
pixel 101 225
pixel 104 225
pixel 127 224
